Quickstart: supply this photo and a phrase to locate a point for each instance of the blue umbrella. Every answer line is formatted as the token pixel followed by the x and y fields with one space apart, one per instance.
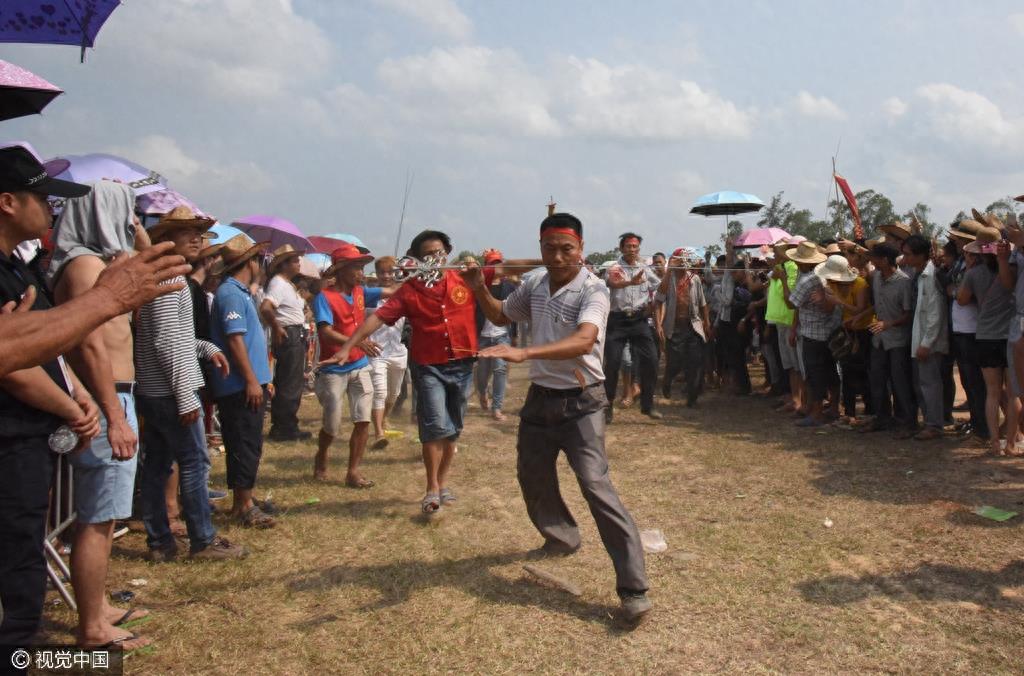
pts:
pixel 727 203
pixel 54 23
pixel 222 233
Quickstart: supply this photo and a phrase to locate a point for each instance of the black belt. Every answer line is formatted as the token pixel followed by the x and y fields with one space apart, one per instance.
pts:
pixel 124 388
pixel 629 314
pixel 572 392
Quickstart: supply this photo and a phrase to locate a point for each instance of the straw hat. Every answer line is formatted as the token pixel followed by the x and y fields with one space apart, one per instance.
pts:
pixel 237 251
pixel 980 231
pixel 977 247
pixel 897 230
pixel 847 246
pixel 872 243
pixel 178 218
pixel 956 233
pixel 209 250
pixel 807 253
pixel 346 254
pixel 989 219
pixel 832 249
pixel 835 269
pixel 282 254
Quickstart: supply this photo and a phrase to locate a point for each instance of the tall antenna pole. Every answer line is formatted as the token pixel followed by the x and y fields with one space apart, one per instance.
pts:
pixel 409 176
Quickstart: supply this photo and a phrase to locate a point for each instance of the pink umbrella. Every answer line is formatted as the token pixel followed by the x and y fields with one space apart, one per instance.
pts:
pixel 163 201
pixel 277 231
pixel 760 237
pixel 23 93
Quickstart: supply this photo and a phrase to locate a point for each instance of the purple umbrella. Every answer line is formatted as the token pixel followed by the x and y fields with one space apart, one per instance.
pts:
pixel 277 231
pixel 760 237
pixel 98 166
pixel 22 92
pixel 163 201
pixel 56 22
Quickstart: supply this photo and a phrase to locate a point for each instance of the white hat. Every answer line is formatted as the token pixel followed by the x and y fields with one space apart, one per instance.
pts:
pixel 835 269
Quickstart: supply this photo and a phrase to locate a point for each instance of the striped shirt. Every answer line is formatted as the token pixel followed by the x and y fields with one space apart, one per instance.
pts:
pixel 558 316
pixel 167 352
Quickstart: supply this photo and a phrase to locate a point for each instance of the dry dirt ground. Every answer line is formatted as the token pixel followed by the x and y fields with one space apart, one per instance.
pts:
pixel 906 580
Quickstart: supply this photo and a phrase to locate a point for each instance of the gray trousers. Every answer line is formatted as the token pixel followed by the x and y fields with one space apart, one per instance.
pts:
pixel 289 382
pixel 928 384
pixel 573 421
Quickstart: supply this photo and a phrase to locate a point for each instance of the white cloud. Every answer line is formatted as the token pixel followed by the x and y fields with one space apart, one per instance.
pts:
pixel 1016 22
pixel 440 16
pixel 961 117
pixel 469 89
pixel 687 182
pixel 894 107
pixel 251 49
pixel 818 106
pixel 637 102
pixel 195 178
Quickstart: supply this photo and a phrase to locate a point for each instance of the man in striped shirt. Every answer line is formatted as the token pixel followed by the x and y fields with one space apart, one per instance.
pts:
pixel 167 357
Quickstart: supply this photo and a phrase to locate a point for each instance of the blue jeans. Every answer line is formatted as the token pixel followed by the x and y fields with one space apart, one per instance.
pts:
pixel 441 391
pixel 165 441
pixel 486 367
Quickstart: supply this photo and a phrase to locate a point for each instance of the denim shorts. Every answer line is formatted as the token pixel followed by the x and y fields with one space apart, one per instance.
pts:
pixel 104 487
pixel 441 391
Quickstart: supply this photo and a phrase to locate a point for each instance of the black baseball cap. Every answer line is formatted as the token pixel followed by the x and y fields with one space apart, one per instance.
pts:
pixel 20 170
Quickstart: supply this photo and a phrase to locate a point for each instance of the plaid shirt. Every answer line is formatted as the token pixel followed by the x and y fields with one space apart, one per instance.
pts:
pixel 814 321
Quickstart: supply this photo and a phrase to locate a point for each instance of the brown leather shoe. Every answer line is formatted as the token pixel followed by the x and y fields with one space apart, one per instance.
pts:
pixel 220 550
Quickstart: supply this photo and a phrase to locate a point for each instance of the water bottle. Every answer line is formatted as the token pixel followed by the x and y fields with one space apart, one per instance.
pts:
pixel 63 440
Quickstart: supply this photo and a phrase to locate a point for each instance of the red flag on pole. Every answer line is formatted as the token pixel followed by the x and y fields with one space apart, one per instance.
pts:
pixel 851 201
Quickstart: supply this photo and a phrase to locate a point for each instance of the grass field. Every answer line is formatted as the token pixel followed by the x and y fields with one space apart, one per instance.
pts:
pixel 906 579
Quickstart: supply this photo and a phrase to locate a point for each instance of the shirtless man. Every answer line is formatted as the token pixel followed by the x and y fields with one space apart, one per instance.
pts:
pixel 89 233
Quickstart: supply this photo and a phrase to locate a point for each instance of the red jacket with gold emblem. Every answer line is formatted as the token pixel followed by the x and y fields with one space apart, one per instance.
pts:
pixel 347 318
pixel 443 318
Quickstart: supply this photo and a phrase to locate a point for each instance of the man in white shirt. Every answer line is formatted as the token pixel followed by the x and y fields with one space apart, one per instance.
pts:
pixel 283 310
pixel 567 308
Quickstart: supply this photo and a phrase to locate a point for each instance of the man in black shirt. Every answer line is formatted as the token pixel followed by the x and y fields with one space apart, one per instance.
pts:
pixel 34 402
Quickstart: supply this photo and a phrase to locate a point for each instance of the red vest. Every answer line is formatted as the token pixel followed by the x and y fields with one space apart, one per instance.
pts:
pixel 443 319
pixel 347 318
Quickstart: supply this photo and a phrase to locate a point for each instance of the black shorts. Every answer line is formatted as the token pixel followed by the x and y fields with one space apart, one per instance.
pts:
pixel 991 354
pixel 820 367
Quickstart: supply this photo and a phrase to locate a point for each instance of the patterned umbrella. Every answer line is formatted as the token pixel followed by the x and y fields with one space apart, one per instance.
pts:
pixel 53 22
pixel 98 166
pixel 22 92
pixel 163 201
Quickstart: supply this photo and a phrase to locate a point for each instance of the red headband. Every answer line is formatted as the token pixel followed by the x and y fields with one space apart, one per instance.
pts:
pixel 560 231
pixel 630 240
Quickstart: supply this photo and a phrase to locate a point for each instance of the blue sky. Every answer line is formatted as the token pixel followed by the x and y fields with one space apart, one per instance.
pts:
pixel 624 112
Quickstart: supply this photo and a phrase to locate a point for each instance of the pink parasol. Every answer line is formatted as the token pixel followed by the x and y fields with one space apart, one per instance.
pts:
pixel 760 237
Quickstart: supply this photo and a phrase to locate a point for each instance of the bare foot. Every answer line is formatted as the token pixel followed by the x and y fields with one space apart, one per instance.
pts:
pixel 178 528
pixel 498 415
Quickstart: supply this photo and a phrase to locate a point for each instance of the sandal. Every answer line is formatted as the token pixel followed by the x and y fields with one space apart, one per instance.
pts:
pixel 254 517
pixel 447 497
pixel 431 504
pixel 361 484
pixel 132 615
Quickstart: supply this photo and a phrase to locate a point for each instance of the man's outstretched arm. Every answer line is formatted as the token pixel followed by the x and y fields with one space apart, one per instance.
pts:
pixel 33 338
